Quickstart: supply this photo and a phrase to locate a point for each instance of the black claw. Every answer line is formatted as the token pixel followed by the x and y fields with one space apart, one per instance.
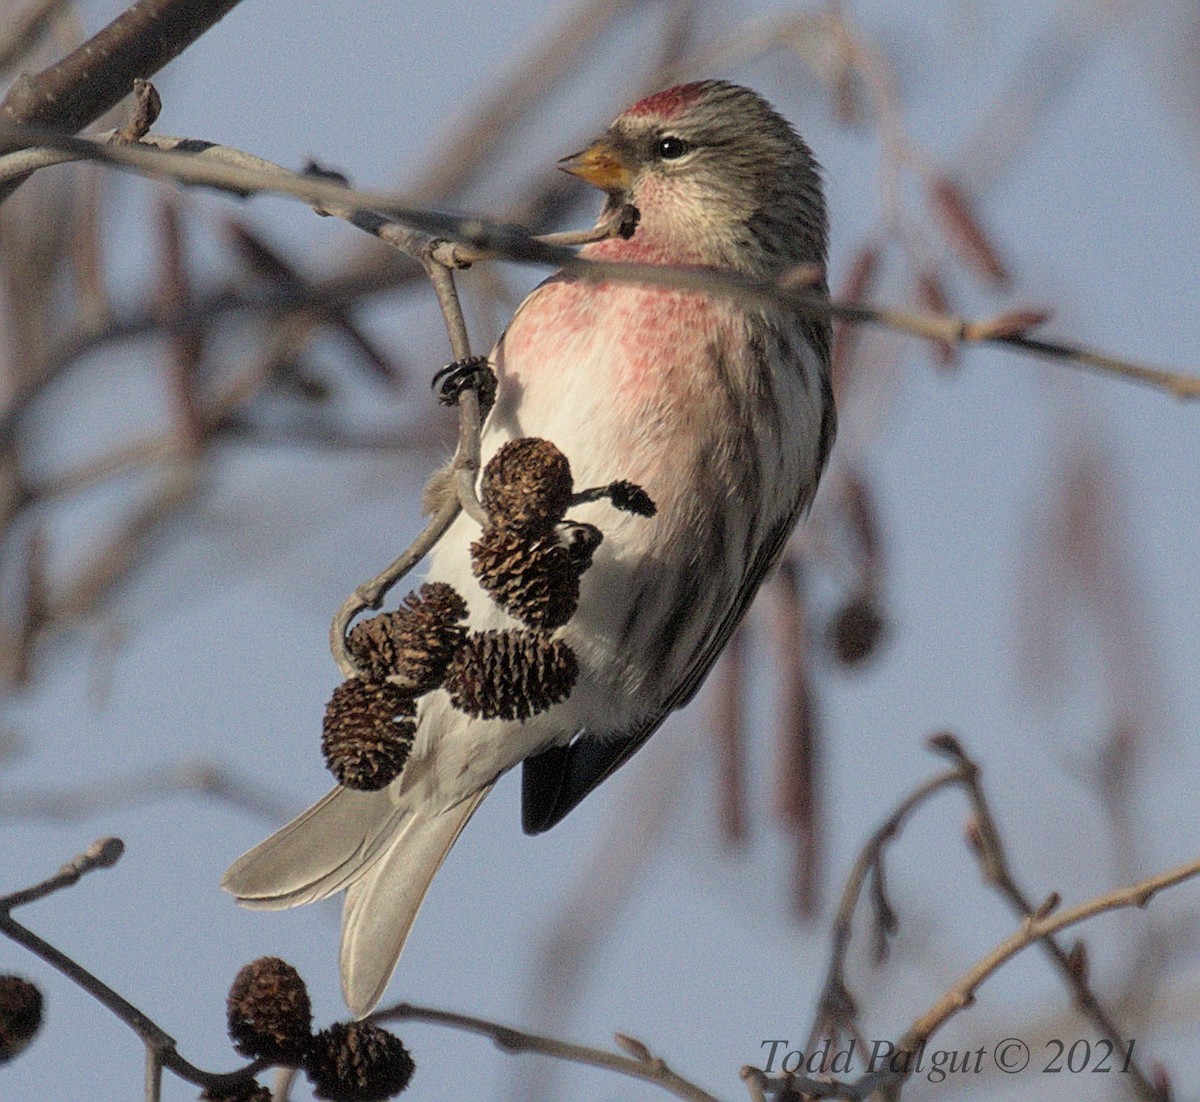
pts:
pixel 630 217
pixel 473 373
pixel 581 541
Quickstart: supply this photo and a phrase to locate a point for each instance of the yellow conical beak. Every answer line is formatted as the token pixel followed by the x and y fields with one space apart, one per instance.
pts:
pixel 601 166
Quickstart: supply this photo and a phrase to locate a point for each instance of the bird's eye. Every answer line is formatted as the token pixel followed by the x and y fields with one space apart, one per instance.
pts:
pixel 669 148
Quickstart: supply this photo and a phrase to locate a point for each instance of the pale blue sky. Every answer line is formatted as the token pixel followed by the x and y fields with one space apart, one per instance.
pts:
pixel 223 661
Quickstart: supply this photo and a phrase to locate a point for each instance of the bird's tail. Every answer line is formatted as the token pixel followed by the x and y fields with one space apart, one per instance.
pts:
pixel 383 854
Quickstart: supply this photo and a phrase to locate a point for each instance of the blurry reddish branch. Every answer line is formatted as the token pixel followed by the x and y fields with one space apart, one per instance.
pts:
pixel 795 771
pixel 729 731
pixel 954 215
pixel 1080 583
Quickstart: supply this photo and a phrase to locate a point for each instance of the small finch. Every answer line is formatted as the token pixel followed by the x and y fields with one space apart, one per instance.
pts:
pixel 719 409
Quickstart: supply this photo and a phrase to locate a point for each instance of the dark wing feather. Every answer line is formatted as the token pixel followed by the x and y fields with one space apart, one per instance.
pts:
pixel 556 780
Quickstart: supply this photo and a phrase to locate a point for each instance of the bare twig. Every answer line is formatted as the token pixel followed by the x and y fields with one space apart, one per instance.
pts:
pixel 651 1069
pixel 77 90
pixel 1042 924
pixel 268 263
pixel 101 854
pixel 989 847
pixel 232 170
pixel 1038 927
pixel 836 1009
pixel 160 1046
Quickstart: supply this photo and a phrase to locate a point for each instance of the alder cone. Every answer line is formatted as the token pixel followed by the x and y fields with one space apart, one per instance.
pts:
pixel 20 1015
pixel 368 733
pixel 269 1012
pixel 248 1091
pixel 856 630
pixel 510 674
pixel 416 641
pixel 533 578
pixel 527 485
pixel 358 1062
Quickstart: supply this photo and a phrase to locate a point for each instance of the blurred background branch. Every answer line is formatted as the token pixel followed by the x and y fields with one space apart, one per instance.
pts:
pixel 214 419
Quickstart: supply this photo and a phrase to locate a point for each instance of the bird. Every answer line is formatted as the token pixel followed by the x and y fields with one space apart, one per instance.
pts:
pixel 720 407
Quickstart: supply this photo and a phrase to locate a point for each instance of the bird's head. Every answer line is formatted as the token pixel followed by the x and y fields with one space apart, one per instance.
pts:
pixel 716 173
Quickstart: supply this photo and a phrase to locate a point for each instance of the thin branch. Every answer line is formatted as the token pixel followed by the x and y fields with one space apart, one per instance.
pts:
pixel 96 76
pixel 101 854
pixel 836 1008
pixel 1038 927
pixel 154 1070
pixel 465 466
pixel 370 594
pixel 989 847
pixel 271 265
pixel 651 1069
pixel 200 163
pixel 104 853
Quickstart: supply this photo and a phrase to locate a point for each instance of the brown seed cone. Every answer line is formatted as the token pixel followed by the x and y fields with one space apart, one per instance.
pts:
pixel 535 579
pixel 269 1013
pixel 369 730
pixel 358 1062
pixel 856 630
pixel 249 1091
pixel 510 674
pixel 416 641
pixel 20 1015
pixel 527 485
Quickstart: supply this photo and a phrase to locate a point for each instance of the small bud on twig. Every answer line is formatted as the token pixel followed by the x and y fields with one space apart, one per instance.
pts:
pixel 1046 907
pixel 1011 323
pixel 147 106
pixel 944 743
pixel 631 1046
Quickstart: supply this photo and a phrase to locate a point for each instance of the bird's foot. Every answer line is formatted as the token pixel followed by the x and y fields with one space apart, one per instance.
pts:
pixel 473 373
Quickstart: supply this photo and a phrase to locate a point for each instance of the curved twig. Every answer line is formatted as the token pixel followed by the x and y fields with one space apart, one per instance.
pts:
pixel 643 1066
pixel 202 163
